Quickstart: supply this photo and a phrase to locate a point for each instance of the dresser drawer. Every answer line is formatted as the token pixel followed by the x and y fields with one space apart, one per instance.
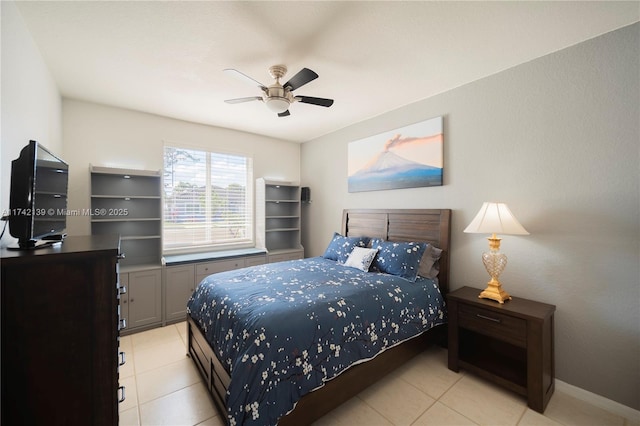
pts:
pixel 495 324
pixel 208 268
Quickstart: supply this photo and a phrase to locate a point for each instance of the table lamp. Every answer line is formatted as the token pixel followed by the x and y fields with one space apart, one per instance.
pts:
pixel 495 218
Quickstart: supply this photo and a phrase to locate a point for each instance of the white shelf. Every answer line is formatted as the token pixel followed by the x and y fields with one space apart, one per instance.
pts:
pixel 278 217
pixel 134 197
pixel 139 237
pixel 123 172
pixel 129 219
pixel 127 197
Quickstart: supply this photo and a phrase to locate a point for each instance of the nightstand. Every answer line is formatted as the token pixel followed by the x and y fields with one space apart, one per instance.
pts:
pixel 510 344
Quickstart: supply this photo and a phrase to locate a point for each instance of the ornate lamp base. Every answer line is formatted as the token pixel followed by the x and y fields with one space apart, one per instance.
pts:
pixel 494 263
pixel 495 292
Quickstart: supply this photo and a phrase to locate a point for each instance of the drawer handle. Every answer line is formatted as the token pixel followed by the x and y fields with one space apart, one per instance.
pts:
pixel 121 256
pixel 489 318
pixel 122 324
pixel 122 359
pixel 122 396
pixel 123 289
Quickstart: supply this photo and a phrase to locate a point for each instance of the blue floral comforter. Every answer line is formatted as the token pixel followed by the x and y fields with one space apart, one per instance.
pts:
pixel 283 329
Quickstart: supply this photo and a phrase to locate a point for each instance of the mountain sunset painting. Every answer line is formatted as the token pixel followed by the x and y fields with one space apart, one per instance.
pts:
pixel 407 157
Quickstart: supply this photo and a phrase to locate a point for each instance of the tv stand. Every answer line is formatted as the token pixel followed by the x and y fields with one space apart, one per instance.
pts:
pixel 35 244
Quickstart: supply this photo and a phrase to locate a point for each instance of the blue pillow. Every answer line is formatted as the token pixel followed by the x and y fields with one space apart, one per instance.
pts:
pixel 398 258
pixel 341 247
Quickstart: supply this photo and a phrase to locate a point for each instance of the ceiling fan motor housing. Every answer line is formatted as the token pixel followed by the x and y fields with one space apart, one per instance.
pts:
pixel 277 71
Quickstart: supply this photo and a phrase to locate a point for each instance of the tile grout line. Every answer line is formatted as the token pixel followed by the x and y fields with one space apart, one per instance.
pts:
pixel 462 374
pixel 418 414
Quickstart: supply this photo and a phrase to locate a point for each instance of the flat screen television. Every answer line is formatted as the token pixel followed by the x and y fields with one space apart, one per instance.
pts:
pixel 38 197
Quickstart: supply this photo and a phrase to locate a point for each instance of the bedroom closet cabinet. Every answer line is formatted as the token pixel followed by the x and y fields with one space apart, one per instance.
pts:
pixel 141 305
pixel 180 282
pixel 278 219
pixel 510 344
pixel 128 203
pixel 59 333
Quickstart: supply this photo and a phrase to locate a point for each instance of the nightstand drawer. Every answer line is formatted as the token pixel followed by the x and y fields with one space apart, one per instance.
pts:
pixel 494 324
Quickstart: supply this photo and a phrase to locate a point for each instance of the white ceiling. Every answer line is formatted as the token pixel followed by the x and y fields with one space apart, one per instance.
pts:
pixel 167 58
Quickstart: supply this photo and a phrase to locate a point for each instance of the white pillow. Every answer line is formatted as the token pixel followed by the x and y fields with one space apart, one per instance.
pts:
pixel 361 258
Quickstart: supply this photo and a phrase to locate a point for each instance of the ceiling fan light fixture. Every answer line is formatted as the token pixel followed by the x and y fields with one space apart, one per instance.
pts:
pixel 277 104
pixel 279 97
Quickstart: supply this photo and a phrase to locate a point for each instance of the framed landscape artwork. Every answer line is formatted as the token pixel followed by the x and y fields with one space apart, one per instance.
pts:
pixel 407 157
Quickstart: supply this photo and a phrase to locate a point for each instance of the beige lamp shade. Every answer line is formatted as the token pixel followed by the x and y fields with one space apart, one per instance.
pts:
pixel 495 218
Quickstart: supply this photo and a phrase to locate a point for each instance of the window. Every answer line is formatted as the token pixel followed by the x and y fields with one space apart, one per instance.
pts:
pixel 207 200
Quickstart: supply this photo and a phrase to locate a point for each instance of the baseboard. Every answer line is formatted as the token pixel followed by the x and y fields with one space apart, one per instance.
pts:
pixel 598 401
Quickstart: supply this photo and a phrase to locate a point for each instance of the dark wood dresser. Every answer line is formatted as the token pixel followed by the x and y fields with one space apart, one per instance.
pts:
pixel 60 333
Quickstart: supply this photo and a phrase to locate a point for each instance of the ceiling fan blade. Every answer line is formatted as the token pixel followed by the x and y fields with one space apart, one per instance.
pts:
pixel 304 76
pixel 241 76
pixel 241 100
pixel 315 101
pixel 284 114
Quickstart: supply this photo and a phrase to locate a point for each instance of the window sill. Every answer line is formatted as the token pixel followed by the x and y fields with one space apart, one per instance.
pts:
pixel 179 259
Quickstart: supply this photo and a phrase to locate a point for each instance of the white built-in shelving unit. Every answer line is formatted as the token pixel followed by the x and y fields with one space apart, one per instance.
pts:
pixel 278 223
pixel 128 203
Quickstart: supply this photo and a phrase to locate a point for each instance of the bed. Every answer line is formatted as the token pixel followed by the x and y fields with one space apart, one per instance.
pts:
pixel 252 373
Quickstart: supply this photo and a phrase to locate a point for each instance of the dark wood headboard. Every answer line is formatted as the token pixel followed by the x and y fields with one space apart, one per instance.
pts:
pixel 420 225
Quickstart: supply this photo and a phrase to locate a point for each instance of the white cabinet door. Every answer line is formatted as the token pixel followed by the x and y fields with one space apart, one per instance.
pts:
pixel 145 298
pixel 179 285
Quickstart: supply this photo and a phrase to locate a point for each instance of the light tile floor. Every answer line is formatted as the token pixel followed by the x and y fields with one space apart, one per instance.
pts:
pixel 163 387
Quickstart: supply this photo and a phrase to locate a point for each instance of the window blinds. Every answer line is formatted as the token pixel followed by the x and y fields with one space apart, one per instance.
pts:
pixel 207 200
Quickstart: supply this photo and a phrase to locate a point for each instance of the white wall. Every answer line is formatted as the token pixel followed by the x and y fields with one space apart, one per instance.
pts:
pixel 114 137
pixel 31 105
pixel 558 140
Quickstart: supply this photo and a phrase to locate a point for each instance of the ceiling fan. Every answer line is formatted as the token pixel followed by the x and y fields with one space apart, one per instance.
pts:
pixel 279 96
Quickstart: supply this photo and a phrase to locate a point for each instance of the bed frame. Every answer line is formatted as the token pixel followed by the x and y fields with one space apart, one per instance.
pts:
pixel 432 226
